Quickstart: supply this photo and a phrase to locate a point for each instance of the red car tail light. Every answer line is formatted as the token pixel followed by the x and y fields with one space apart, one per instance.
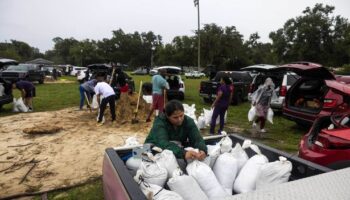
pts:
pixel 330 142
pixel 283 91
pixel 329 103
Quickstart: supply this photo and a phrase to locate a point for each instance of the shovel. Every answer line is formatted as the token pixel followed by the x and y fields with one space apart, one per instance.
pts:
pixel 134 120
pixel 88 102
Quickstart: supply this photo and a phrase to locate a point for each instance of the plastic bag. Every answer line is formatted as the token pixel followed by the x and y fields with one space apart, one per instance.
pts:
pixel 156 192
pixel 225 170
pixel 270 115
pixel 201 122
pixel 239 153
pixel 251 113
pixel 213 153
pixel 225 143
pixel 153 173
pixel 274 173
pixel 187 187
pixel 14 106
pixel 167 160
pixel 21 106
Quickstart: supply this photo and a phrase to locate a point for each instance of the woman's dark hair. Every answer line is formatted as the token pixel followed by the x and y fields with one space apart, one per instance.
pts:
pixel 227 80
pixel 173 106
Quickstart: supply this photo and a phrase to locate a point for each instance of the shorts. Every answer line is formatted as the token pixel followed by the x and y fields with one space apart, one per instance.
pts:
pixel 30 93
pixel 158 102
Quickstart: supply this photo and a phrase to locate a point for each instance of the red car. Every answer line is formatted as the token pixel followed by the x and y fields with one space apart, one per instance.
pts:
pixel 315 94
pixel 328 141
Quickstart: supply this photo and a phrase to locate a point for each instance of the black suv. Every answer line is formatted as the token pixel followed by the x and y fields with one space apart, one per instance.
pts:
pixel 29 72
pixel 241 82
pixel 5 86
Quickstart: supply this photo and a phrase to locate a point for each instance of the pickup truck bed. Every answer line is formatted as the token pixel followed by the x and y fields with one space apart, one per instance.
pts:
pixel 119 184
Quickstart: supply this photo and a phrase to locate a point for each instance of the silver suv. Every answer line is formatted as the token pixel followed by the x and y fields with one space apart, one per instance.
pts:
pixel 282 80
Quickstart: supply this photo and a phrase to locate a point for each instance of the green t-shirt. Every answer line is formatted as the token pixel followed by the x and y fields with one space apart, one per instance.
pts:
pixel 162 133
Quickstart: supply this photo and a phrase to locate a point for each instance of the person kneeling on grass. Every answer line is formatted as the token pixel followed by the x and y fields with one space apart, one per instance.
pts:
pixel 106 91
pixel 27 92
pixel 173 130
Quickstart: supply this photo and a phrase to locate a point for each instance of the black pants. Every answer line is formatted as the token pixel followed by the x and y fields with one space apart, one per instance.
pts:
pixel 111 101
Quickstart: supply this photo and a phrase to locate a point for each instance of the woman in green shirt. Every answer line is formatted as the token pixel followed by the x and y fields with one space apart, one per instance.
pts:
pixel 174 131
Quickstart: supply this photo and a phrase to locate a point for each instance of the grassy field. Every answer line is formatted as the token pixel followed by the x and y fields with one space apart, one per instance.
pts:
pixel 283 134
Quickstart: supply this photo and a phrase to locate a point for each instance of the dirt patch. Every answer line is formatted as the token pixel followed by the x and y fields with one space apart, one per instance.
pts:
pixel 66 146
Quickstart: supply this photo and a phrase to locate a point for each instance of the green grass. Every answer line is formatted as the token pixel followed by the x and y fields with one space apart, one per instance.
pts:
pixel 283 134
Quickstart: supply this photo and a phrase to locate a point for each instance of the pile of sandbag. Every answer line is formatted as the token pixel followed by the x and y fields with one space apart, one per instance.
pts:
pixel 208 115
pixel 19 106
pixel 224 171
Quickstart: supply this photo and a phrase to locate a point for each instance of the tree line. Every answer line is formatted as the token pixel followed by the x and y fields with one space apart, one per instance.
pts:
pixel 316 35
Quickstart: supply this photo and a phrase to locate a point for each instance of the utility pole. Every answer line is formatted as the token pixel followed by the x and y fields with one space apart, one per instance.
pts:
pixel 196 3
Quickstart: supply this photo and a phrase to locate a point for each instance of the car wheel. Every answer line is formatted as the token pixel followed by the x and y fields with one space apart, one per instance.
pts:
pixel 41 81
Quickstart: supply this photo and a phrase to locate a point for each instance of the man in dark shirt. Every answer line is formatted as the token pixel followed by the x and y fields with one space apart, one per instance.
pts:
pixel 27 92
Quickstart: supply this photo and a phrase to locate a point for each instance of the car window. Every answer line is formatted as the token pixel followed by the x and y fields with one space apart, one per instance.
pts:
pixel 17 67
pixel 291 79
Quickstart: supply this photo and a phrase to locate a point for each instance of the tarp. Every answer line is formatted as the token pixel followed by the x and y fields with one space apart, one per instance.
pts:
pixel 40 61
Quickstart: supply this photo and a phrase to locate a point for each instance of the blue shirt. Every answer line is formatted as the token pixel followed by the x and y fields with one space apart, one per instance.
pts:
pixel 158 84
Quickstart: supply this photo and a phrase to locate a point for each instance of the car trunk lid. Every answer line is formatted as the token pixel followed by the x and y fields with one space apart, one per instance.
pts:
pixel 307 69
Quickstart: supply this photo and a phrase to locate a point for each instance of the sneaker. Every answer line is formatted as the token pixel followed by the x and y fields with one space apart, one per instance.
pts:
pixel 262 131
pixel 254 125
pixel 99 124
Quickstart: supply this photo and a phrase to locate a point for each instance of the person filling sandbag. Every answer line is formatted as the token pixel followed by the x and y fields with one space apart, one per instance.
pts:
pixel 173 130
pixel 27 92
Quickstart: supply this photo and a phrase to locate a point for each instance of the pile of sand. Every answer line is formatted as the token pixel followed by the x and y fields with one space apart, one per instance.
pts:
pixel 69 148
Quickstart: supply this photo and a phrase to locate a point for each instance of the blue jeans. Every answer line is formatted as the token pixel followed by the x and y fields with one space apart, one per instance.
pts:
pixel 82 96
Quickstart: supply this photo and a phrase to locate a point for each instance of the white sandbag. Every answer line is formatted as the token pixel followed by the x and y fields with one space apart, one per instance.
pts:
pixel 225 143
pixel 14 106
pixel 206 179
pixel 153 173
pixel 274 173
pixel 246 179
pixel 201 121
pixel 156 192
pixel 167 160
pixel 2 90
pixel 131 141
pixel 133 163
pixel 270 115
pixel 187 187
pixel 147 98
pixel 251 113
pixel 208 115
pixel 21 106
pixel 240 155
pixel 94 103
pixel 225 170
pixel 213 153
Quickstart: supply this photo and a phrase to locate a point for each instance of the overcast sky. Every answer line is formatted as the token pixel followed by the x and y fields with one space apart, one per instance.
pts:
pixel 37 22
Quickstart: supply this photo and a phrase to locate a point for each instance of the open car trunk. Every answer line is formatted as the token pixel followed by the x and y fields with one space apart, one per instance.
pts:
pixel 307 95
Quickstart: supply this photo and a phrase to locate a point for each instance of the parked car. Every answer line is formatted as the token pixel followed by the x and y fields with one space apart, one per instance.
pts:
pixel 4 62
pixel 176 84
pixel 30 72
pixel 118 182
pixel 194 74
pixel 314 94
pixel 153 72
pixel 282 80
pixel 82 75
pixel 141 71
pixel 75 70
pixel 328 141
pixel 5 92
pixel 241 81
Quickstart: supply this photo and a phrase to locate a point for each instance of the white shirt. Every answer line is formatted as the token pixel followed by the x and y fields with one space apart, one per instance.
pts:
pixel 104 89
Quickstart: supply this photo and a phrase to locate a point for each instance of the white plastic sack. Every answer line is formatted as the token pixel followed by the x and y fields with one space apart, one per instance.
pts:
pixel 156 192
pixel 213 153
pixel 14 106
pixel 206 179
pixel 153 173
pixel 131 141
pixel 94 103
pixel 2 90
pixel 187 187
pixel 225 170
pixel 270 115
pixel 239 153
pixel 274 173
pixel 167 160
pixel 225 143
pixel 147 98
pixel 21 106
pixel 251 113
pixel 208 115
pixel 133 163
pixel 190 111
pixel 201 122
pixel 246 179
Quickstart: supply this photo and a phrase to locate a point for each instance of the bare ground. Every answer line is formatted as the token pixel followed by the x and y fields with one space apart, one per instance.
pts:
pixel 61 148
